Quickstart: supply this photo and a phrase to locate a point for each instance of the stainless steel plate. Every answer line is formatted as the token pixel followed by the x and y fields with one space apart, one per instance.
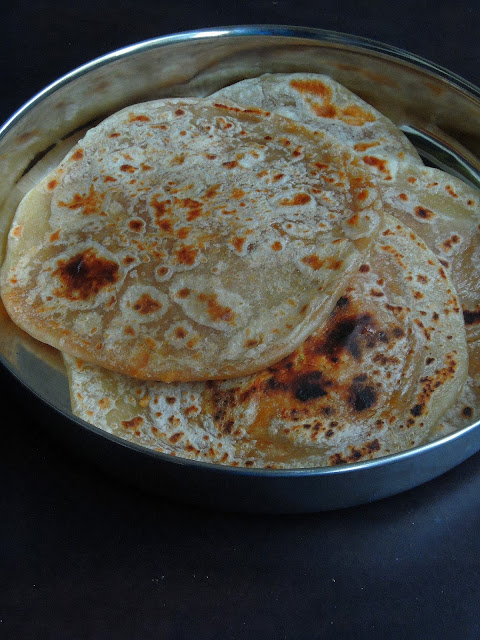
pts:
pixel 438 110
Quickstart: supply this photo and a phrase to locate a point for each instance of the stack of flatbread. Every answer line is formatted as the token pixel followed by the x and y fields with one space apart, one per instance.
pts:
pixel 265 277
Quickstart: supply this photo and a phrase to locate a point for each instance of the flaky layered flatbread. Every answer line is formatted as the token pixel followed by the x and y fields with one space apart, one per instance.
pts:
pixel 188 240
pixel 374 380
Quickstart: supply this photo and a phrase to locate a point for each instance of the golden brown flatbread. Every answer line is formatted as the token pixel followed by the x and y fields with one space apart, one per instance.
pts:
pixel 374 380
pixel 188 240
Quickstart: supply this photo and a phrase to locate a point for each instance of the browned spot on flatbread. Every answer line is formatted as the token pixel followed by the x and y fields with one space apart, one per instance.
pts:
pixel 136 225
pixel 165 225
pixel 194 207
pixel 146 305
pixel 312 86
pixel 212 191
pixel 90 203
pixel 141 117
pixel 238 243
pixel 134 423
pixel 180 333
pixel 379 163
pixel 186 255
pixel 363 146
pixel 352 114
pixel 313 261
pixel 356 454
pixel 325 110
pixel 128 168
pixel 424 213
pixel 355 116
pixel 161 207
pixel 450 242
pixel 215 310
pixel 298 199
pixel 252 110
pixel 84 275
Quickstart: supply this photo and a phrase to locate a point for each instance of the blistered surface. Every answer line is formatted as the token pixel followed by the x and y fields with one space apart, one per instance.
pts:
pixel 445 212
pixel 184 240
pixel 373 381
pixel 320 102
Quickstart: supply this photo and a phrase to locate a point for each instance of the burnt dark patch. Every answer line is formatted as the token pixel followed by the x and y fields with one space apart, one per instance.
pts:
pixel 273 384
pixel 424 213
pixel 417 410
pixel 467 412
pixel 471 317
pixel 228 427
pixel 398 332
pixel 309 386
pixel 355 455
pixel 345 336
pixel 343 302
pixel 362 395
pixel 85 275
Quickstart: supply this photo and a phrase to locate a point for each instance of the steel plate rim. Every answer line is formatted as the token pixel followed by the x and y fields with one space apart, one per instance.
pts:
pixel 268 30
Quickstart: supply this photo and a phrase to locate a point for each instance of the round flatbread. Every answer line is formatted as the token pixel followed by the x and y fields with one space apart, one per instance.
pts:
pixel 374 380
pixel 188 240
pixel 320 102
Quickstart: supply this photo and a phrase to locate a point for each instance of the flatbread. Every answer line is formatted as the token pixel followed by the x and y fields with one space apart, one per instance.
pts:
pixel 320 102
pixel 374 380
pixel 187 240
pixel 445 212
pixel 441 209
pixel 466 408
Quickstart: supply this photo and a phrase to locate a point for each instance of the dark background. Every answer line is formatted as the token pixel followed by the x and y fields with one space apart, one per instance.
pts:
pixel 84 556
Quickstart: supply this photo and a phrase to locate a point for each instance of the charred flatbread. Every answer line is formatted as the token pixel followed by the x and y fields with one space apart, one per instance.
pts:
pixel 188 240
pixel 374 380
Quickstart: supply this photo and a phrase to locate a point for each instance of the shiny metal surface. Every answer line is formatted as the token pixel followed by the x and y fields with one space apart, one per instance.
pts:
pixel 438 110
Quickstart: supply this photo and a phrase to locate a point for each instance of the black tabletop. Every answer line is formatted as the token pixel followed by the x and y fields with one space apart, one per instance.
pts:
pixel 85 556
